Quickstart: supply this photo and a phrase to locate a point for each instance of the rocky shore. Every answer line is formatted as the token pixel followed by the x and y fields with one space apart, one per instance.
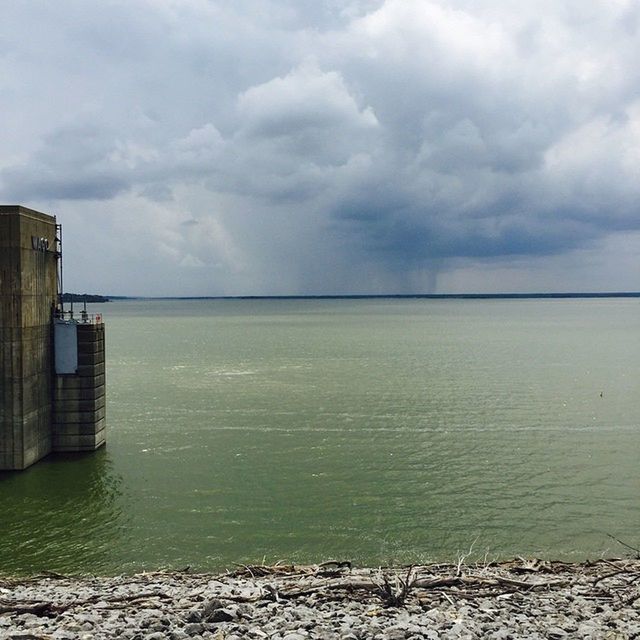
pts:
pixel 518 599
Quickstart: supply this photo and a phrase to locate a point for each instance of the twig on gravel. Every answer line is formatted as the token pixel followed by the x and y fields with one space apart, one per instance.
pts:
pixel 48 609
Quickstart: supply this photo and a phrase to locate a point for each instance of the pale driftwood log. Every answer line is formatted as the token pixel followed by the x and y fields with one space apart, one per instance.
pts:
pixel 35 608
pixel 397 597
pixel 391 586
pixel 49 609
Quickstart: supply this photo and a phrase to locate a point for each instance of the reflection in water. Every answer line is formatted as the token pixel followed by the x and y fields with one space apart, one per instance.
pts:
pixel 61 514
pixel 373 431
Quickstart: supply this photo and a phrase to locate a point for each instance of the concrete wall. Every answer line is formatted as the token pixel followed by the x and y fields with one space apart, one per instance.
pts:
pixel 27 298
pixel 79 399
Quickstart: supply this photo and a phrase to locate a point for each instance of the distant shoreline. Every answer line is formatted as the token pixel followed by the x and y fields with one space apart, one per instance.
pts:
pixel 408 296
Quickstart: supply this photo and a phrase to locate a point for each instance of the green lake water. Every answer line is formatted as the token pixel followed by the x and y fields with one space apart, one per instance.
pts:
pixel 376 431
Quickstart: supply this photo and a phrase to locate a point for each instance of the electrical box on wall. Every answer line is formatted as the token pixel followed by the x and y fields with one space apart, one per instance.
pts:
pixel 65 345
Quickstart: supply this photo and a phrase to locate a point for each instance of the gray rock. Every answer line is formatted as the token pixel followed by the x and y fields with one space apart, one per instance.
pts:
pixel 195 615
pixel 323 634
pixel 211 605
pixel 220 615
pixel 193 629
pixel 63 634
pixel 205 612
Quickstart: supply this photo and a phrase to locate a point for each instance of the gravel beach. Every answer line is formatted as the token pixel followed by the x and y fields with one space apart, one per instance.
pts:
pixel 517 599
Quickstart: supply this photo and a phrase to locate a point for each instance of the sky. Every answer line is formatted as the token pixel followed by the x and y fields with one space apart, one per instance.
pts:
pixel 282 147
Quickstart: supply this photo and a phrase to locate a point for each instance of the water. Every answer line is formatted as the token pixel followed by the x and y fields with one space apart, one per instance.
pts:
pixel 376 431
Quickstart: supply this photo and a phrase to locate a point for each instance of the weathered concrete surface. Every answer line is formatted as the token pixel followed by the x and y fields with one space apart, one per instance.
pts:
pixel 79 400
pixel 27 298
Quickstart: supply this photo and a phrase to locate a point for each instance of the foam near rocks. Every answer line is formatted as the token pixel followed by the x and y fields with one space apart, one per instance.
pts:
pixel 518 599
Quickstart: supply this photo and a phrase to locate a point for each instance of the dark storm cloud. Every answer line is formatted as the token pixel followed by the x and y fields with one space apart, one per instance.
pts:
pixel 373 142
pixel 73 163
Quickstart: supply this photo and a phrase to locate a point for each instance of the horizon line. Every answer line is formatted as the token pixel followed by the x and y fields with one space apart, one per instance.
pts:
pixel 358 296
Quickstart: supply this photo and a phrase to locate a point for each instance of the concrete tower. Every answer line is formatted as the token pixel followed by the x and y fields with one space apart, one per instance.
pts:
pixel 52 371
pixel 28 295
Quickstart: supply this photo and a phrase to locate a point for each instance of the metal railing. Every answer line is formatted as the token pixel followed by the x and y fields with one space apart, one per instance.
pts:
pixel 81 317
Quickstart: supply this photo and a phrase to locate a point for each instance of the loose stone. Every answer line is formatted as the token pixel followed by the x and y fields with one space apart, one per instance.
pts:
pixel 504 601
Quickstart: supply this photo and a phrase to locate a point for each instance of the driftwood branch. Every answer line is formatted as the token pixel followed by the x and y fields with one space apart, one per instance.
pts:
pixel 42 609
pixel 50 610
pixel 394 590
pixel 608 580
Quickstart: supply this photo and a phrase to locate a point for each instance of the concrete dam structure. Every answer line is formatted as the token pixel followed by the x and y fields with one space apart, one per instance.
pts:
pixel 52 371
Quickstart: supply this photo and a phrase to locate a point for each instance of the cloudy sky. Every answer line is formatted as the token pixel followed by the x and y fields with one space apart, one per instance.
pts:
pixel 241 147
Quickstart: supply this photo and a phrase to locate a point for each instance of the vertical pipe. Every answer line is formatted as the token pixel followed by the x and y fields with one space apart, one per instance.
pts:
pixel 60 281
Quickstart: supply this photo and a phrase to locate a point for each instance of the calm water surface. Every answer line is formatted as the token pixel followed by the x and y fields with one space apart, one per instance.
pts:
pixel 371 430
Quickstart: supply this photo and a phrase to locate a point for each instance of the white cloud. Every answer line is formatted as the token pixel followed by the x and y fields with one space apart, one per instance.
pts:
pixel 305 99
